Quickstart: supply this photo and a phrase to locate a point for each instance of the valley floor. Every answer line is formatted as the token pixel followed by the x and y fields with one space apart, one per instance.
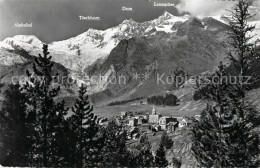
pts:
pixel 187 109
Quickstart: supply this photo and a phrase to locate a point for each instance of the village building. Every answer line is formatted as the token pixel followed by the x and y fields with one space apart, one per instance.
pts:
pixel 131 132
pixel 139 113
pixel 157 128
pixel 140 121
pixel 171 127
pixel 139 116
pixel 123 114
pixel 143 102
pixel 154 117
pixel 146 117
pixel 197 117
pixel 136 136
pixel 117 120
pixel 184 122
pixel 133 122
pixel 164 121
pixel 126 114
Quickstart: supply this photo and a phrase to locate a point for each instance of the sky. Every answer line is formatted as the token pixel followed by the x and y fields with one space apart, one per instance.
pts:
pixel 54 20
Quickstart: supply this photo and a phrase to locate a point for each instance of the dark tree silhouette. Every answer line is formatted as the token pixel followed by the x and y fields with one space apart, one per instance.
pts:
pixel 59 147
pixel 114 151
pixel 176 162
pixel 42 110
pixel 141 154
pixel 13 129
pixel 160 157
pixel 223 145
pixel 244 53
pixel 168 100
pixel 85 131
pixel 166 141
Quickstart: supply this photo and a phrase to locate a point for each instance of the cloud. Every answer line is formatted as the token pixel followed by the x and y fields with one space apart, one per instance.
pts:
pixel 205 7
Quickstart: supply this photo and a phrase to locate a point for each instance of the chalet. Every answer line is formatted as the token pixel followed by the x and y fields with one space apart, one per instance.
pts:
pixel 185 122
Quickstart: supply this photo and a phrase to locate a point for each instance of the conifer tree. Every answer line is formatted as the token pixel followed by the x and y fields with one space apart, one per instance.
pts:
pixel 70 149
pixel 220 144
pixel 42 111
pixel 85 131
pixel 114 151
pixel 166 141
pixel 225 136
pixel 244 53
pixel 160 157
pixel 176 163
pixel 145 152
pixel 141 155
pixel 13 129
pixel 60 143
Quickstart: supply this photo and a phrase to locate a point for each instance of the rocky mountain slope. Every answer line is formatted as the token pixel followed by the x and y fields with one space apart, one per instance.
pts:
pixel 195 46
pixel 13 65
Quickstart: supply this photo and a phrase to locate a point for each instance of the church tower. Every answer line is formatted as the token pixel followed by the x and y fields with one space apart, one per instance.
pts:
pixel 154 111
pixel 154 117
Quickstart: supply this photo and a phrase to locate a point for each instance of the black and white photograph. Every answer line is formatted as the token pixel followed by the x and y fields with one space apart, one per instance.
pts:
pixel 130 83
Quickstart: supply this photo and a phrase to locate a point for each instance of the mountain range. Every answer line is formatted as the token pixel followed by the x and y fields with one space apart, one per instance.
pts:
pixel 195 45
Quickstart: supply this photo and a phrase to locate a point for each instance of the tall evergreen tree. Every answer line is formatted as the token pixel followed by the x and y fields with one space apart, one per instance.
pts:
pixel 244 53
pixel 166 141
pixel 176 163
pixel 85 131
pixel 225 136
pixel 13 129
pixel 70 149
pixel 220 144
pixel 114 151
pixel 60 143
pixel 160 157
pixel 42 110
pixel 141 154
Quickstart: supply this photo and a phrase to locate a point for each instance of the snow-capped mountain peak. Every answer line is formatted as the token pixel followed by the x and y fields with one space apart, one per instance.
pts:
pixel 167 15
pixel 129 21
pixel 30 39
pixel 168 19
pixel 29 43
pixel 77 53
pixel 27 39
